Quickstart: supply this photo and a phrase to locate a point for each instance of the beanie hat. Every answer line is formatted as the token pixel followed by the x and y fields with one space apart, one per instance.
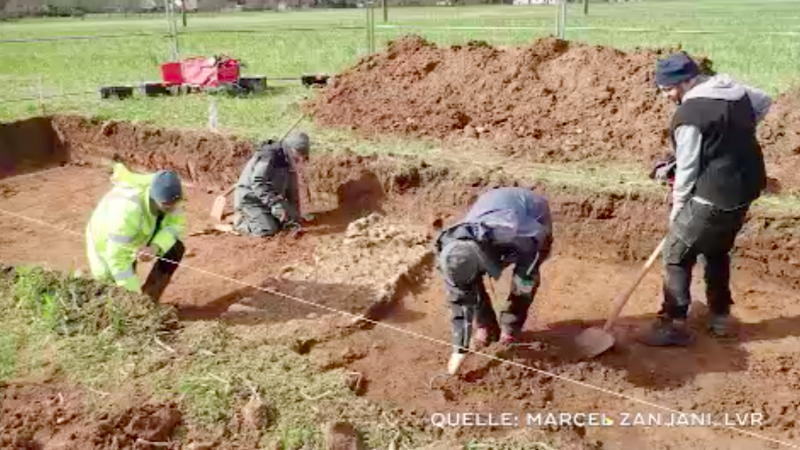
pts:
pixel 675 69
pixel 299 142
pixel 166 187
pixel 463 261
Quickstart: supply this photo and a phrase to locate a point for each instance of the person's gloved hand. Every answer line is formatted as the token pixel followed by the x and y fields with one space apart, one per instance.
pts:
pixel 522 285
pixel 147 252
pixel 664 170
pixel 280 210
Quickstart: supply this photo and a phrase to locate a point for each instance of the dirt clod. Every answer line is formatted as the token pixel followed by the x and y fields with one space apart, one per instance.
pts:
pixel 342 436
pixel 255 413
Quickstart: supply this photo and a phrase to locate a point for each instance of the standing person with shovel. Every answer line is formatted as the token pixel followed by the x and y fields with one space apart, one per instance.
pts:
pixel 505 226
pixel 267 195
pixel 719 172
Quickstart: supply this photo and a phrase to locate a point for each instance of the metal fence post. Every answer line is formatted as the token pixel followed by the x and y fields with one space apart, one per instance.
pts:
pixel 370 26
pixel 366 24
pixel 172 27
pixel 562 19
pixel 41 97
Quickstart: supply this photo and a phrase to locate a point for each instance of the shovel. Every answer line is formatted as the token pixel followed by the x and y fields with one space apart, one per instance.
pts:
pixel 218 208
pixel 594 341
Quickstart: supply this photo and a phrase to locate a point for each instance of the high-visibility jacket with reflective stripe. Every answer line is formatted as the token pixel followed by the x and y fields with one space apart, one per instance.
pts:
pixel 122 223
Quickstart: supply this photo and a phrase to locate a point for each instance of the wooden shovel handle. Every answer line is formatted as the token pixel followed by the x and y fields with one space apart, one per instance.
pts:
pixel 620 301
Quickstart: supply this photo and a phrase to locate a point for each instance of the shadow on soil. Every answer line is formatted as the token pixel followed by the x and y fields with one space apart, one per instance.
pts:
pixel 298 301
pixel 643 366
pixel 355 198
pixel 30 145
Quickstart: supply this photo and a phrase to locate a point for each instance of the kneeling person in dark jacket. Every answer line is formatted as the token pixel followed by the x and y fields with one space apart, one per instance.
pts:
pixel 505 226
pixel 266 199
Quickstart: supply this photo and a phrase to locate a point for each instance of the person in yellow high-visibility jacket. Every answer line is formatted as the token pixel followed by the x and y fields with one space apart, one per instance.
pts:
pixel 142 215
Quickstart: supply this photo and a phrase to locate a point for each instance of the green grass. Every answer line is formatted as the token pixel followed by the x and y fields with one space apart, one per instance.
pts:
pixel 735 43
pixel 768 61
pixel 113 343
pixel 121 346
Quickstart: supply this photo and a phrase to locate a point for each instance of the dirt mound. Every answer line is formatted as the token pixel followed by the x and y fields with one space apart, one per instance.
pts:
pixel 552 100
pixel 48 415
pixel 780 137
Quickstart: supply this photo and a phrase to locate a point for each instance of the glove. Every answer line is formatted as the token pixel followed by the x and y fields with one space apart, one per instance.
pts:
pixel 522 286
pixel 280 211
pixel 147 252
pixel 664 170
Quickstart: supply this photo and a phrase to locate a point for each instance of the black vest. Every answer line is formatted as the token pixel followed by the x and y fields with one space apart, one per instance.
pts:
pixel 732 169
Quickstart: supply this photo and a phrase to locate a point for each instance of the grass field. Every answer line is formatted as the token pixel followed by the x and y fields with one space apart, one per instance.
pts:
pixel 733 35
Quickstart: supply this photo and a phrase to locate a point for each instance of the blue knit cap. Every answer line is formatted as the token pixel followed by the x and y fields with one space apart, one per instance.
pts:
pixel 166 187
pixel 675 69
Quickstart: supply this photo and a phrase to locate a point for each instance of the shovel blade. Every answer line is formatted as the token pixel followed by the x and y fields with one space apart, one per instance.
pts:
pixel 218 208
pixel 593 342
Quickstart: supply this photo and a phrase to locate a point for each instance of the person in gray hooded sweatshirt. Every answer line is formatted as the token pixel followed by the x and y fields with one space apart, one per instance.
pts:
pixel 266 197
pixel 719 172
pixel 505 226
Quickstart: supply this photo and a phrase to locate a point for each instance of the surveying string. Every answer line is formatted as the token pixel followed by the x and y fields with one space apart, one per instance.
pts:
pixel 416 335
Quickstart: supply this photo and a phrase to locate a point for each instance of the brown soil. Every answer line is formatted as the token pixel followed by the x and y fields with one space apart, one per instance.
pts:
pixel 50 415
pixel 551 101
pixel 780 136
pixel 600 241
pixel 30 145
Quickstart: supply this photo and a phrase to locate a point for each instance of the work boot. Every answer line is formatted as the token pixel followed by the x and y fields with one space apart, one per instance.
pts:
pixel 720 325
pixel 666 332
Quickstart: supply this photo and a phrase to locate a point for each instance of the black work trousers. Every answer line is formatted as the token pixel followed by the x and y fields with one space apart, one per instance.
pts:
pixel 162 271
pixel 472 302
pixel 700 229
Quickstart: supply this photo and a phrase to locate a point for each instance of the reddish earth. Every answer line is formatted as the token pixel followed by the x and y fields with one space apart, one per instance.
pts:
pixel 600 241
pixel 45 412
pixel 551 101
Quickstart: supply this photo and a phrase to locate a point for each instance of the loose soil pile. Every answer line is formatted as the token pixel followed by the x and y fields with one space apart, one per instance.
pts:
pixel 374 253
pixel 552 101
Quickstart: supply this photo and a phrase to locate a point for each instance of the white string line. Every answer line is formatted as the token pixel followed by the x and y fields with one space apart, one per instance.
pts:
pixel 421 336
